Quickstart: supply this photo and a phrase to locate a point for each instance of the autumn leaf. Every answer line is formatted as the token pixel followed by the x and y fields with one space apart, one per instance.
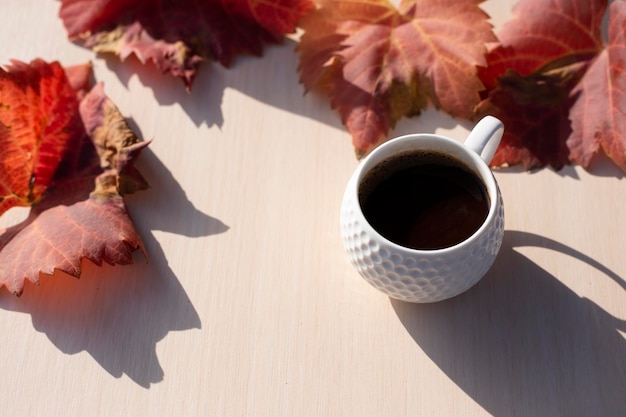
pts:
pixel 532 75
pixel 68 153
pixel 178 36
pixel 598 115
pixel 535 111
pixel 542 31
pixel 380 63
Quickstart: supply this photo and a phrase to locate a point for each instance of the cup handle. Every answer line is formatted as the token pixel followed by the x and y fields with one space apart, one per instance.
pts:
pixel 485 137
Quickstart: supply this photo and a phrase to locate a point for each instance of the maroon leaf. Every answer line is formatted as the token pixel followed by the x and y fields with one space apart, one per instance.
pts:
pixel 178 36
pixel 598 115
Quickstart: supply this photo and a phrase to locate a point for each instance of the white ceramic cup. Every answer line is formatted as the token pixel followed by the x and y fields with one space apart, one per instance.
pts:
pixel 423 276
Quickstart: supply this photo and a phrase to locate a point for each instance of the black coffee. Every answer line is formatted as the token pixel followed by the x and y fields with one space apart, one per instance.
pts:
pixel 424 200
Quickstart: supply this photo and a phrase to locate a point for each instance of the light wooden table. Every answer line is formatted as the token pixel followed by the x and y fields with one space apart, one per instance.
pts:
pixel 248 305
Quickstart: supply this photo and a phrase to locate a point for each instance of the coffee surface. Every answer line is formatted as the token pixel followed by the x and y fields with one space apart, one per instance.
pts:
pixel 424 200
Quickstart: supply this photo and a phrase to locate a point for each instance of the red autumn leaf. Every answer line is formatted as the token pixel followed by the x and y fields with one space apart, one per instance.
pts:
pixel 534 110
pixel 542 31
pixel 543 54
pixel 68 154
pixel 380 63
pixel 178 36
pixel 598 115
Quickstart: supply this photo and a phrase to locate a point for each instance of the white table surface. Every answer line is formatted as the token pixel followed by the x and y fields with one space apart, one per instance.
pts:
pixel 248 305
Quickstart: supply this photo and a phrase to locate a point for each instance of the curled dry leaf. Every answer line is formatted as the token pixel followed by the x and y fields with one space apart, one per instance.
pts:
pixel 380 63
pixel 178 36
pixel 68 154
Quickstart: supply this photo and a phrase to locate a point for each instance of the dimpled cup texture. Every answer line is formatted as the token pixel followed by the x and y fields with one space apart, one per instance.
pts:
pixel 419 276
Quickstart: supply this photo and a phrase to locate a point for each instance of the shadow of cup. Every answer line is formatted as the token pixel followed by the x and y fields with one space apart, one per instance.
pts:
pixel 522 343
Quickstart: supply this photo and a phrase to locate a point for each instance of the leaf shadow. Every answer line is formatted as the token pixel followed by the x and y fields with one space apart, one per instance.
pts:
pixel 601 166
pixel 276 85
pixel 271 79
pixel 521 343
pixel 118 314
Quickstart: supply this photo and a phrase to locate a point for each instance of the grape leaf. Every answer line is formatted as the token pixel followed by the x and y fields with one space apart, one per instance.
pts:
pixel 379 63
pixel 543 53
pixel 598 114
pixel 179 36
pixel 68 153
pixel 542 31
pixel 535 111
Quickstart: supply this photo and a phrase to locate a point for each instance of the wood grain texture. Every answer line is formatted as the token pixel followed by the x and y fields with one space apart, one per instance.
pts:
pixel 248 305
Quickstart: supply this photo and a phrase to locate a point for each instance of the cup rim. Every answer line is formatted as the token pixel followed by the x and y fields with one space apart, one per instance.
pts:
pixel 407 142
